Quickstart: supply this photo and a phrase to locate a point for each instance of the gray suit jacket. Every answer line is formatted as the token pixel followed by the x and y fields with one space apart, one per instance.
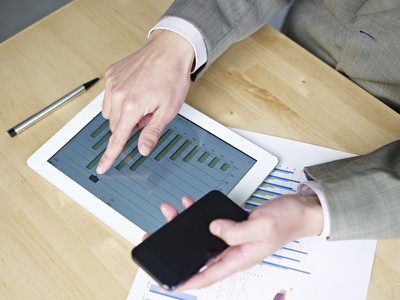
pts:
pixel 359 38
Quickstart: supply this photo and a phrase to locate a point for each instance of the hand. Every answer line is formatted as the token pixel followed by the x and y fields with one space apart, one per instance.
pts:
pixel 268 228
pixel 145 90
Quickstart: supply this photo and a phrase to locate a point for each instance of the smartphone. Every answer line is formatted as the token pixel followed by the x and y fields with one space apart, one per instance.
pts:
pixel 180 248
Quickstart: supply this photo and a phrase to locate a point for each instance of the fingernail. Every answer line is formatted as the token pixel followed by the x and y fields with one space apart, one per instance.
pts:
pixel 100 169
pixel 145 148
pixel 215 227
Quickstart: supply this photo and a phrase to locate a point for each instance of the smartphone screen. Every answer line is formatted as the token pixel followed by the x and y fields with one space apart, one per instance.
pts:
pixel 183 246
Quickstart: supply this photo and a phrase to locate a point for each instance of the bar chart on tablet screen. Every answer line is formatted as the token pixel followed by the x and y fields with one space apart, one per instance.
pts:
pixel 187 160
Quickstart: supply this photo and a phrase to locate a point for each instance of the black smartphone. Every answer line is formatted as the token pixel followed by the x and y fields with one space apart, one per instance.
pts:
pixel 180 248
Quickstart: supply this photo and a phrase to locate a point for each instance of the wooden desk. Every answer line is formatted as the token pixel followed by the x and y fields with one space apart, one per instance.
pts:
pixel 52 248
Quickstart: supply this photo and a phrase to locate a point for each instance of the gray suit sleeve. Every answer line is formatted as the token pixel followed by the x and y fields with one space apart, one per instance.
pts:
pixel 363 194
pixel 224 22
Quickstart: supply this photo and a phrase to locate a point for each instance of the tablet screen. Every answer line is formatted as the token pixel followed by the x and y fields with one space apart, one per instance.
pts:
pixel 187 160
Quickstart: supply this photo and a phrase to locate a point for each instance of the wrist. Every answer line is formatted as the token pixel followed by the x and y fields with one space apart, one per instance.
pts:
pixel 312 220
pixel 290 216
pixel 173 45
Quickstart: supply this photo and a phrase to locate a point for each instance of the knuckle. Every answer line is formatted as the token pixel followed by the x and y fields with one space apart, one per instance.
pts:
pixel 129 106
pixel 229 236
pixel 114 142
pixel 152 132
pixel 117 91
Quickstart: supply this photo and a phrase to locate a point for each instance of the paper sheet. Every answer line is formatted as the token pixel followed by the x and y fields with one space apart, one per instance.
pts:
pixel 309 268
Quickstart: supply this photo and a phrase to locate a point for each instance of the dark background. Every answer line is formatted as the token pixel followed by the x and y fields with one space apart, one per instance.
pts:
pixel 15 15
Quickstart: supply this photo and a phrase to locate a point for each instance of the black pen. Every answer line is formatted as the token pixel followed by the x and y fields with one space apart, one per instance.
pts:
pixel 47 110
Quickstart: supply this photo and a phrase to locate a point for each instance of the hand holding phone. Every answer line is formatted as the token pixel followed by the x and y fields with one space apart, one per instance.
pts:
pixel 179 249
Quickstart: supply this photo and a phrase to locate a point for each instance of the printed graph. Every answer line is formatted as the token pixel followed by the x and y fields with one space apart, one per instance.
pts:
pixel 253 283
pixel 281 181
pixel 156 293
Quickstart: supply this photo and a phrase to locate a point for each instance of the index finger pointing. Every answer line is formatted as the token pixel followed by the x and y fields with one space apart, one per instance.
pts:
pixel 115 145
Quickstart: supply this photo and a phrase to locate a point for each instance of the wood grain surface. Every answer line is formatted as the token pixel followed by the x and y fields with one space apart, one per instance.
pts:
pixel 50 247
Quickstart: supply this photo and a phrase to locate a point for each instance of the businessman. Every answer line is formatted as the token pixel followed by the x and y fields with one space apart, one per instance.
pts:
pixel 356 198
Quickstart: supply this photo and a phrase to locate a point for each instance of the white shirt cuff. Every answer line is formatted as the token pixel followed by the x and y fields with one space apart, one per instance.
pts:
pixel 313 188
pixel 190 33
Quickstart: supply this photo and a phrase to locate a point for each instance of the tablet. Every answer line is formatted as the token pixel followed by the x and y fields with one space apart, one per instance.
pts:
pixel 193 156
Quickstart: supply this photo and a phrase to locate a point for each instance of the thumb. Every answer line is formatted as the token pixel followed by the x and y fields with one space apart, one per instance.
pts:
pixel 151 132
pixel 233 233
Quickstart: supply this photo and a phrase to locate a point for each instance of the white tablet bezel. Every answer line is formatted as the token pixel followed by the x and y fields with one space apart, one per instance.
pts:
pixel 265 162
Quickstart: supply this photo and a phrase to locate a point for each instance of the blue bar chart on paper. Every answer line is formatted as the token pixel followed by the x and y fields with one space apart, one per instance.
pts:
pixel 282 180
pixel 187 160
